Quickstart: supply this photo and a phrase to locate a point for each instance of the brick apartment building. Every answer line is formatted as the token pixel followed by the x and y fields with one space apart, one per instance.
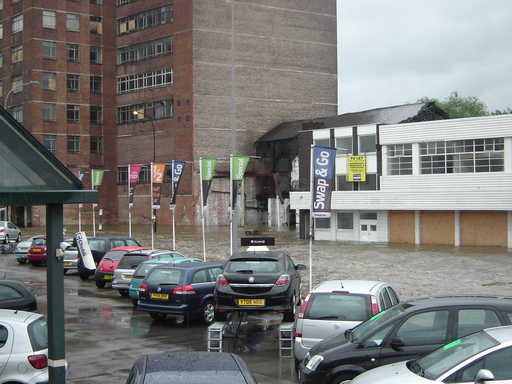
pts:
pixel 107 83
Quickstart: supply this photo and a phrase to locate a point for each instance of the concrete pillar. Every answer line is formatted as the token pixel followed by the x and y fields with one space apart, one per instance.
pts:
pixel 509 220
pixel 417 227
pixel 508 154
pixel 415 159
pixel 457 229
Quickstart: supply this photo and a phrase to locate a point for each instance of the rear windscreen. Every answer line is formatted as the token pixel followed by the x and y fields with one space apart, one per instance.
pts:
pixel 38 334
pixel 131 261
pixel 335 306
pixel 253 266
pixel 164 276
pixel 143 269
pixel 114 255
pixel 39 242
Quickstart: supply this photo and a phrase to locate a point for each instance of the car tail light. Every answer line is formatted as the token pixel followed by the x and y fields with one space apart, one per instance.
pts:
pixel 143 287
pixel 283 280
pixel 38 361
pixel 184 290
pixel 375 306
pixel 298 334
pixel 304 306
pixel 221 280
pixel 2 229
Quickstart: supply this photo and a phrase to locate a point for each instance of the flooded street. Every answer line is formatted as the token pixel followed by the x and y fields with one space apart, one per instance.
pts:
pixel 104 334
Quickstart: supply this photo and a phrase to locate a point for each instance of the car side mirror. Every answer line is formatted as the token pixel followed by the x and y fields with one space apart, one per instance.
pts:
pixel 300 267
pixel 483 375
pixel 397 343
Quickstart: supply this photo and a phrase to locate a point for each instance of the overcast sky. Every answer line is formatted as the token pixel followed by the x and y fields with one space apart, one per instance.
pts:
pixel 396 51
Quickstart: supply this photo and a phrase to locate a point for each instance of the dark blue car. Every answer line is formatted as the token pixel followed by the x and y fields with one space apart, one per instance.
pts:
pixel 180 291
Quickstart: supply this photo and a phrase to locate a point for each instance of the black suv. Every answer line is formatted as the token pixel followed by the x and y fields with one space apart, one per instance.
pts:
pixel 403 332
pixel 258 281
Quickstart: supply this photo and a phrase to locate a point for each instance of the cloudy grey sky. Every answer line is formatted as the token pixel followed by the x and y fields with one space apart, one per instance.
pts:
pixel 396 51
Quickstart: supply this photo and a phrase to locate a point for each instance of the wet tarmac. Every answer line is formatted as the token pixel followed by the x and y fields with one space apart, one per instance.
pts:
pixel 104 334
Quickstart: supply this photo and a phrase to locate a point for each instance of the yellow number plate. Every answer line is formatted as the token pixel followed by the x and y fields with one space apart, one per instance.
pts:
pixel 127 277
pixel 163 296
pixel 67 263
pixel 254 302
pixel 108 277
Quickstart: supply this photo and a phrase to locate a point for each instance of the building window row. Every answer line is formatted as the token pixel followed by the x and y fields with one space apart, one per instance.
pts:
pixel 144 20
pixel 73 143
pixel 72 22
pixel 119 3
pixel 144 50
pixel 72 82
pixel 367 144
pixel 151 79
pixel 155 110
pixel 72 113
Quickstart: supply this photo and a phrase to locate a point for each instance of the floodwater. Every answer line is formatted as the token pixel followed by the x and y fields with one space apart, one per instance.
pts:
pixel 105 334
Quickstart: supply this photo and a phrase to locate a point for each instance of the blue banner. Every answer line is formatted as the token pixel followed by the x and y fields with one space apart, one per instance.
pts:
pixel 177 172
pixel 323 159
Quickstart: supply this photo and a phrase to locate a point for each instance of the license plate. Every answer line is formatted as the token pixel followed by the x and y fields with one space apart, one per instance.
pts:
pixel 254 302
pixel 67 263
pixel 127 277
pixel 164 296
pixel 108 277
pixel 36 250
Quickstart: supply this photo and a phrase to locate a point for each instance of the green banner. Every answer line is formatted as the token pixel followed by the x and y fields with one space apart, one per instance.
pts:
pixel 208 168
pixel 97 177
pixel 238 166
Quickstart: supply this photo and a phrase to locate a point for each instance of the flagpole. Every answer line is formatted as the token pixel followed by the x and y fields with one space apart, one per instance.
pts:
pixel 311 221
pixel 79 219
pixel 93 207
pixel 129 204
pixel 202 206
pixel 231 203
pixel 151 208
pixel 172 209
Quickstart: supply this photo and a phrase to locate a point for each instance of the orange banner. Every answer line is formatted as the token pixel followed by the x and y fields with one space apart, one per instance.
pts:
pixel 157 172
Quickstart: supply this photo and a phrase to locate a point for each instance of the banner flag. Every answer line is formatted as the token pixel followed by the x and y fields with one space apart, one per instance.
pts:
pixel 81 175
pixel 177 172
pixel 207 171
pixel 356 168
pixel 97 177
pixel 323 180
pixel 134 180
pixel 238 168
pixel 157 176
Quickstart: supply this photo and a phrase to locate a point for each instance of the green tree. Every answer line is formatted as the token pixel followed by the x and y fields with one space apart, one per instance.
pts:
pixel 457 106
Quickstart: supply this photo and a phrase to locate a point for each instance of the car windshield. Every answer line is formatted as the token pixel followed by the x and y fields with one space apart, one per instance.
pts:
pixel 38 334
pixel 253 266
pixel 366 328
pixel 131 261
pixel 114 255
pixel 338 306
pixel 164 276
pixel 132 243
pixel 39 242
pixel 143 269
pixel 441 360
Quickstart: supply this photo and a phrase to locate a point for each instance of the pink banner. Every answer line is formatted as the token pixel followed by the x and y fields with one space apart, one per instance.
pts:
pixel 134 173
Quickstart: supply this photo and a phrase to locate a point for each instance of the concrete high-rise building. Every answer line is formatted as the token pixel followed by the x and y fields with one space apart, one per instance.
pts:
pixel 104 84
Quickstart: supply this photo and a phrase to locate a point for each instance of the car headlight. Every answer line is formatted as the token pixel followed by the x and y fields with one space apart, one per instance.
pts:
pixel 314 362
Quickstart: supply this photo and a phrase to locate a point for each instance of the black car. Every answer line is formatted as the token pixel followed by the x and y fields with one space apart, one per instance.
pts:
pixel 403 332
pixel 16 295
pixel 190 368
pixel 99 246
pixel 182 290
pixel 258 281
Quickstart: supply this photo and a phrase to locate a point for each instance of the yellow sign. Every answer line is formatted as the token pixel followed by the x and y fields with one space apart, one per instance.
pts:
pixel 356 168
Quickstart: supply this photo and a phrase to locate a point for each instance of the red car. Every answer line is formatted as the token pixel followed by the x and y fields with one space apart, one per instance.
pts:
pixel 37 251
pixel 108 264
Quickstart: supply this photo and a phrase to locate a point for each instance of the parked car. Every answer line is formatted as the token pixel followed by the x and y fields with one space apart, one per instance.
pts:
pixel 190 368
pixel 23 347
pixel 70 258
pixel 406 331
pixel 9 232
pixel 335 306
pixel 482 357
pixel 143 269
pixel 130 261
pixel 16 295
pixel 37 253
pixel 108 264
pixel 259 281
pixel 21 250
pixel 99 246
pixel 182 291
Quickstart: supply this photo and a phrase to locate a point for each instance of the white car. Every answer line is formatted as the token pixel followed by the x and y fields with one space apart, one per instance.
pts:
pixel 23 347
pixel 9 232
pixel 482 357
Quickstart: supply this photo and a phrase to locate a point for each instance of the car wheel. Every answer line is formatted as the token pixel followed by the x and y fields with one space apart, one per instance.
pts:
pixel 157 316
pixel 343 377
pixel 134 302
pixel 123 292
pixel 6 240
pixel 84 277
pixel 65 271
pixel 290 314
pixel 20 261
pixel 220 316
pixel 100 284
pixel 208 313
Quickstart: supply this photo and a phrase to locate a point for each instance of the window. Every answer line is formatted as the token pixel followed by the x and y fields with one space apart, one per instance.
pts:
pixel 72 22
pixel 144 50
pixel 49 19
pixel 473 320
pixel 370 184
pixel 214 272
pixel 73 83
pixel 1 4
pixel 17 24
pixel 17 54
pixel 97 2
pixel 73 113
pixel 368 215
pixel 346 307
pixel 95 84
pixel 49 81
pixel 344 145
pixel 122 175
pixel 38 334
pixel 97 145
pixel 124 2
pixel 1 88
pixel 424 328
pixel 393 295
pixel 50 142
pixel 8 293
pixel 1 31
pixel 95 55
pixel 343 184
pixel 324 142
pixel 497 362
pixel 144 175
pixel 73 144
pixel 385 301
pixel 17 113
pixel 367 144
pixel 144 80
pixel 322 223
pixel 345 220
pixel 4 335
pixel 162 109
pixel 49 49
pixel 462 156
pixel 73 52
pixel 17 84
pixel 95 25
pixel 96 114
pixel 143 20
pixel 49 112
pixel 400 159
pixel 200 277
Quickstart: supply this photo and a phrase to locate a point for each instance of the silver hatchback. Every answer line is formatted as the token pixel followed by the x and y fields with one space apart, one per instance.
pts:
pixel 335 306
pixel 9 232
